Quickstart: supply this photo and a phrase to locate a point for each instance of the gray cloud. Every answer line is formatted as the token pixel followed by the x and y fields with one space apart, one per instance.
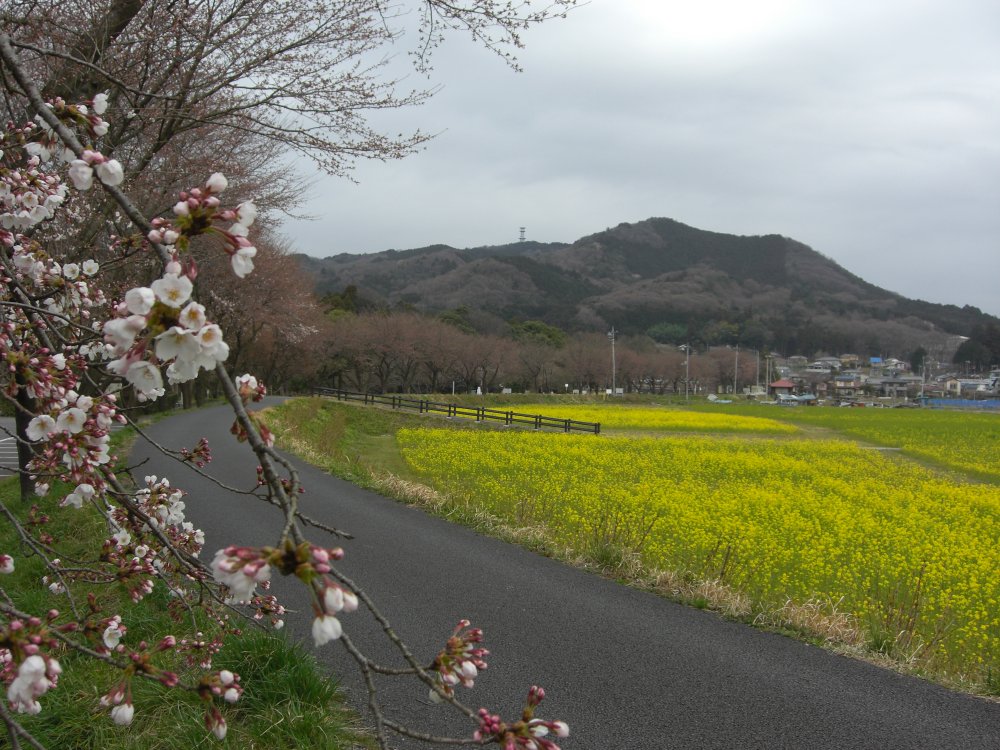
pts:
pixel 869 133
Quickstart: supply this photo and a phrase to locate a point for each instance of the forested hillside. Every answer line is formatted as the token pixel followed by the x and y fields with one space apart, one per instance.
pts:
pixel 661 277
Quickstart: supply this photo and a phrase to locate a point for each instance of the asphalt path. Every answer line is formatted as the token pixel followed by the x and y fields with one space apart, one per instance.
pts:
pixel 8 447
pixel 624 668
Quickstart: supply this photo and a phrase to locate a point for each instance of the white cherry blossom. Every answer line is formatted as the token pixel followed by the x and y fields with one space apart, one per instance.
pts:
pixel 177 342
pixel 120 333
pixel 173 290
pixel 71 420
pixel 139 300
pixel 217 183
pixel 81 174
pixel 242 261
pixel 325 629
pixel 145 377
pixel 193 316
pixel 212 343
pixel 122 714
pixel 246 213
pixel 110 172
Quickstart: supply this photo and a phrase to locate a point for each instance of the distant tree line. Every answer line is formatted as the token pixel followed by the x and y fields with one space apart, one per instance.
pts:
pixel 409 352
pixel 343 340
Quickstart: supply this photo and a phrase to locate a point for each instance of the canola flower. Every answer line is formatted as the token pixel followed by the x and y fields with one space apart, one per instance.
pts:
pixel 959 440
pixel 914 556
pixel 659 418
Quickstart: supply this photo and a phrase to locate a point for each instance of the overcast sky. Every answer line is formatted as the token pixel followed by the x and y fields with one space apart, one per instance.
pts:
pixel 868 130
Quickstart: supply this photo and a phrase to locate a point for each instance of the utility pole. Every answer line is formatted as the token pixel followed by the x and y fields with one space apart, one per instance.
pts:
pixel 736 370
pixel 611 335
pixel 686 348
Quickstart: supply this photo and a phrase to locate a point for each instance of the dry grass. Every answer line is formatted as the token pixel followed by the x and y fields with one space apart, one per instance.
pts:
pixel 816 619
pixel 705 594
pixel 411 492
pixel 420 495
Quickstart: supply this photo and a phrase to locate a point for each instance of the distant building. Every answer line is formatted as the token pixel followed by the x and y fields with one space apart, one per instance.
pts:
pixel 891 387
pixel 896 364
pixel 849 360
pixel 782 388
pixel 819 368
pixel 847 386
pixel 967 387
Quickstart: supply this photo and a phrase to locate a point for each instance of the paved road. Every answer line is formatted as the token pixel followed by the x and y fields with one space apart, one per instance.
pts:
pixel 8 447
pixel 624 668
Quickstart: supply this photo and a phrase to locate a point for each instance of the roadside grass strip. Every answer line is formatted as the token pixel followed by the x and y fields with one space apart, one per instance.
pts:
pixel 912 555
pixel 661 418
pixel 288 701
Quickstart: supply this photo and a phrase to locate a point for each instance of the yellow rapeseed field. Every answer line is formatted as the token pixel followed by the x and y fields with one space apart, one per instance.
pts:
pixel 962 440
pixel 659 418
pixel 914 556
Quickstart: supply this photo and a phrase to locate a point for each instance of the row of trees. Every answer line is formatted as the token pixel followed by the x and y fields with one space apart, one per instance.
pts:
pixel 409 352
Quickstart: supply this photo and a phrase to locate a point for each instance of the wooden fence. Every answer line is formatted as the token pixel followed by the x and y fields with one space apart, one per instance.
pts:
pixel 479 413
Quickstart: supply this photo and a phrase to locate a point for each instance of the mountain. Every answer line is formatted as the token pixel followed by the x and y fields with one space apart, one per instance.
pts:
pixel 664 278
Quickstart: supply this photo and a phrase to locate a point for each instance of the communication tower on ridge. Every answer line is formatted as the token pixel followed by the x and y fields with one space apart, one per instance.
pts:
pixel 522 235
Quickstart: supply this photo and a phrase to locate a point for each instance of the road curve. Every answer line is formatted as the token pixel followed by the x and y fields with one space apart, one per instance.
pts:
pixel 624 668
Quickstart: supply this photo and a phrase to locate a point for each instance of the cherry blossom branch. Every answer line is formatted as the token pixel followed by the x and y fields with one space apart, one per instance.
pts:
pixel 102 72
pixel 67 136
pixel 433 738
pixel 418 669
pixel 16 733
pixel 373 703
pixel 264 455
pixel 151 328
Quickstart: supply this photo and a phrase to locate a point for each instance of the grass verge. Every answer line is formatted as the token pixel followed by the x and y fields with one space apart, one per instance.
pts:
pixel 287 701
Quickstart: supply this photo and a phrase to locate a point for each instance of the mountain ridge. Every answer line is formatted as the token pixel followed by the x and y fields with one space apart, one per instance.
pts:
pixel 658 274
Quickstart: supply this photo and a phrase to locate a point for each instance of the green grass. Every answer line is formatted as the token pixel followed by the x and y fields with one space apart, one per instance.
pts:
pixel 287 701
pixel 348 440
